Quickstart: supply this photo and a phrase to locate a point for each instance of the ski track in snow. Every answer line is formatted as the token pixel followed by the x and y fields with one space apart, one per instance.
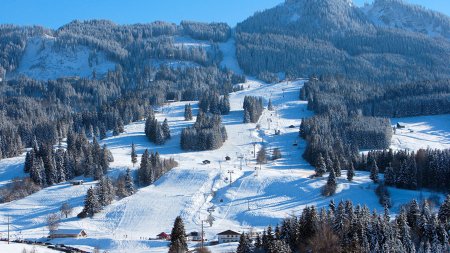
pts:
pixel 254 199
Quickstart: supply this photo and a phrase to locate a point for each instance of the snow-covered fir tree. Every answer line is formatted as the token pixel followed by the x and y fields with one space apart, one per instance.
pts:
pixel 178 241
pixel 133 154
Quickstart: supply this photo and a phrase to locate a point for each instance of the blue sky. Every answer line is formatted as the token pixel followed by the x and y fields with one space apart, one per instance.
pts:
pixel 54 13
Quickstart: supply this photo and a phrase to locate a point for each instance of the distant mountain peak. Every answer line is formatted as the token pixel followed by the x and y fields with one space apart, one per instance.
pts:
pixel 312 17
pixel 398 14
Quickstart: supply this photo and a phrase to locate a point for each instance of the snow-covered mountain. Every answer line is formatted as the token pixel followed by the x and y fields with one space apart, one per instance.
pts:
pixel 401 15
pixel 305 37
pixel 42 60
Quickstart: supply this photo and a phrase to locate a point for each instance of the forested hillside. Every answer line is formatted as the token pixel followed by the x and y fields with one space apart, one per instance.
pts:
pixel 333 37
pixel 47 110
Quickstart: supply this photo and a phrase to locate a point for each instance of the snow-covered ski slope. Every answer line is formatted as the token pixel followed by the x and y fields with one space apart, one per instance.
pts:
pixel 255 197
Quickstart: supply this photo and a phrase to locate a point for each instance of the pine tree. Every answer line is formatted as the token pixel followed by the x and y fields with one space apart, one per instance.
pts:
pixel 413 214
pixel 332 179
pixel 150 124
pixel 277 232
pixel 277 246
pixel 405 235
pixel 246 116
pixel 374 171
pixel 187 112
pixel 258 243
pixel 166 129
pixel 337 167
pixel 302 132
pixel 245 245
pixel 270 235
pixel 133 154
pixel 102 132
pixel 28 160
pixel 59 163
pixel 129 185
pixel 178 237
pixel 350 172
pixel 270 106
pixel 104 159
pixel 37 171
pixel 389 176
pixel 68 166
pixel 49 165
pixel 330 188
pixel 265 241
pixel 321 167
pixel 91 203
pixel 105 191
pixel 412 173
pixel 159 135
pixel 144 168
pixel 120 126
pixel 225 105
pixel 444 210
pixel 116 130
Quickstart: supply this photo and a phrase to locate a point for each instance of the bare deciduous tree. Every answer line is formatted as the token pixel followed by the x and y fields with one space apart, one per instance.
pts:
pixel 53 222
pixel 66 209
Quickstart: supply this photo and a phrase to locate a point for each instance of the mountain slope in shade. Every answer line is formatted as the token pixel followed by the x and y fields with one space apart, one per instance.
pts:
pixel 400 15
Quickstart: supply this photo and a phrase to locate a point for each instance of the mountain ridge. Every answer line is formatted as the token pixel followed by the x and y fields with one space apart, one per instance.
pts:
pixel 341 40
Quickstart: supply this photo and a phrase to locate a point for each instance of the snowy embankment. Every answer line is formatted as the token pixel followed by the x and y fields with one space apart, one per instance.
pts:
pixel 250 197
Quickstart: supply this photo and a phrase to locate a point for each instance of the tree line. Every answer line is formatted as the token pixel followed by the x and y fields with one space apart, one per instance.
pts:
pixel 214 103
pixel 46 110
pixel 105 192
pixel 253 108
pixel 48 166
pixel 428 168
pixel 348 228
pixel 152 167
pixel 155 131
pixel 207 133
pixel 345 124
pixel 337 137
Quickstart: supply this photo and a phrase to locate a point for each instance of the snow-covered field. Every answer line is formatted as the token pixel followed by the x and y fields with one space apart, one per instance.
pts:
pixel 422 132
pixel 247 198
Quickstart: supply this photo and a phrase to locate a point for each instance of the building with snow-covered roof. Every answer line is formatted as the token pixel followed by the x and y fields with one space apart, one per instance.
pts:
pixel 68 233
pixel 77 182
pixel 194 236
pixel 163 236
pixel 228 236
